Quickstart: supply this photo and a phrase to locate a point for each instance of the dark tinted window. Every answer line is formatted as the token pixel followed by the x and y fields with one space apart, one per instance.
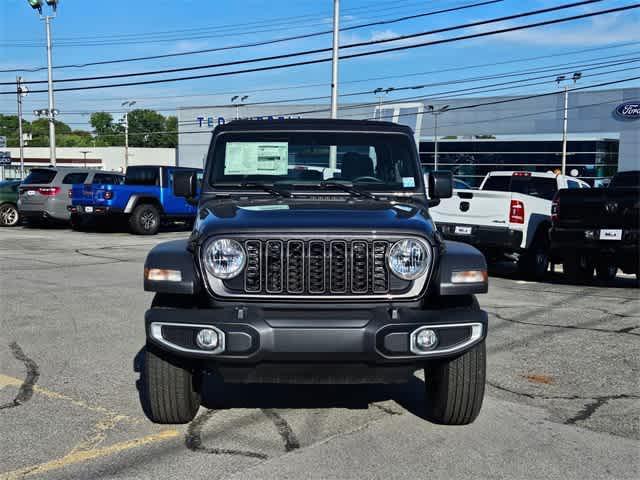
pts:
pixel 142 176
pixel 107 179
pixel 573 184
pixel 72 178
pixel 39 175
pixel 543 187
pixel 499 183
pixel 626 179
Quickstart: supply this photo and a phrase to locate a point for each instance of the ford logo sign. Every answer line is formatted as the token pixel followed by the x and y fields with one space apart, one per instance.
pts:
pixel 628 111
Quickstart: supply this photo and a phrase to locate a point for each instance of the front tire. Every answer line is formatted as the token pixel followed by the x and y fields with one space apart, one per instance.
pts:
pixel 145 219
pixel 455 387
pixel 534 263
pixel 578 268
pixel 168 393
pixel 9 215
pixel 606 271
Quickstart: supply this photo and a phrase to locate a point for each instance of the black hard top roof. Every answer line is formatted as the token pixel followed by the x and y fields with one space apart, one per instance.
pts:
pixel 321 124
pixel 164 166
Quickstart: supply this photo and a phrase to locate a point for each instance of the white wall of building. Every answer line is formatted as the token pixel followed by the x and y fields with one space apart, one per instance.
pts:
pixel 105 158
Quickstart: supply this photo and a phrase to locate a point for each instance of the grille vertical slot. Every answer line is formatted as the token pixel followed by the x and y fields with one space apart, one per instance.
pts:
pixel 295 266
pixel 317 255
pixel 338 266
pixel 359 267
pixel 380 273
pixel 253 276
pixel 274 266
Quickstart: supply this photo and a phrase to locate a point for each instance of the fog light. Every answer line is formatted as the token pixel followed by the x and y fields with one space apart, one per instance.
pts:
pixel 589 234
pixel 426 339
pixel 207 339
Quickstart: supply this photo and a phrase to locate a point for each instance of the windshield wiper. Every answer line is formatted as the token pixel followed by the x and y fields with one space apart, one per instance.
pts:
pixel 266 188
pixel 349 188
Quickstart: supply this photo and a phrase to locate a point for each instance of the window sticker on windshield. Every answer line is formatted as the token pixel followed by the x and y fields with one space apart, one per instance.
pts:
pixel 256 158
pixel 408 182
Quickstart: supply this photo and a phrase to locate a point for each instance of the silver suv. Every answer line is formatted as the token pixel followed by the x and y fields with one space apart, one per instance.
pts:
pixel 44 194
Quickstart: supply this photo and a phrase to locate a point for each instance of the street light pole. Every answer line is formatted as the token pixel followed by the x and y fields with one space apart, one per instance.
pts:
pixel 436 112
pixel 128 104
pixel 84 153
pixel 51 115
pixel 21 91
pixel 565 121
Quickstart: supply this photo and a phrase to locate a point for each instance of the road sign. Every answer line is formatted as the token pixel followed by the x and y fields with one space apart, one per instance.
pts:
pixel 3 142
pixel 5 159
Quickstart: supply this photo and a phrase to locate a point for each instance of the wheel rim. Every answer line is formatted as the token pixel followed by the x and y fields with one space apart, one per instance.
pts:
pixel 148 220
pixel 8 215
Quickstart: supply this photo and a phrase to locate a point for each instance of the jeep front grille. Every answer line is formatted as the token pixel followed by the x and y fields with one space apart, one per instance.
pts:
pixel 323 268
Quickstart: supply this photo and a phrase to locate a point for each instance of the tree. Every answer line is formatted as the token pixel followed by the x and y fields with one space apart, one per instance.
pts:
pixel 145 127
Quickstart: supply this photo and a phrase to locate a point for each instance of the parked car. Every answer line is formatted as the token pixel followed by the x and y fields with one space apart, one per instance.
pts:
pixel 9 215
pixel 144 200
pixel 510 214
pixel 86 191
pixel 341 279
pixel 598 229
pixel 44 194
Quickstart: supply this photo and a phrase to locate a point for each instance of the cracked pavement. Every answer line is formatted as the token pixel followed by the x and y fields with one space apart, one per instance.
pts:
pixel 563 396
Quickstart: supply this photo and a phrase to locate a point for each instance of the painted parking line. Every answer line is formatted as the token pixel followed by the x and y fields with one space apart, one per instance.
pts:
pixel 86 455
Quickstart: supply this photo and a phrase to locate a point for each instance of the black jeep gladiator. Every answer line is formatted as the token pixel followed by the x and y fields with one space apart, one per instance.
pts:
pixel 313 259
pixel 597 228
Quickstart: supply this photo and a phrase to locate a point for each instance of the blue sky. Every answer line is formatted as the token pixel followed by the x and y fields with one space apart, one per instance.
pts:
pixel 200 24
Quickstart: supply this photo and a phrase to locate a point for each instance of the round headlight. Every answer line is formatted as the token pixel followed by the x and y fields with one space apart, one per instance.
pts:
pixel 224 258
pixel 408 259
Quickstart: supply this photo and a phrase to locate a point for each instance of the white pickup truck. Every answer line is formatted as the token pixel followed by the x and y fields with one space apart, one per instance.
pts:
pixel 509 215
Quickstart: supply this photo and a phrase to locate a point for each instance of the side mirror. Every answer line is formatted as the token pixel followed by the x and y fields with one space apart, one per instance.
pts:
pixel 185 184
pixel 440 185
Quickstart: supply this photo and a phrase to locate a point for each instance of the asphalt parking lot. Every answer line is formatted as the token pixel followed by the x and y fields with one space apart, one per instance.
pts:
pixel 563 398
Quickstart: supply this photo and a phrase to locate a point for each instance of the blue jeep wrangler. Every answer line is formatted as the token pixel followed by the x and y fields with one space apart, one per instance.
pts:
pixel 145 199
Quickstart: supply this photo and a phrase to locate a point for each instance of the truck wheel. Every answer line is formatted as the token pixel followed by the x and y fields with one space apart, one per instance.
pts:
pixel 455 387
pixel 9 216
pixel 168 394
pixel 606 271
pixel 578 268
pixel 534 263
pixel 145 219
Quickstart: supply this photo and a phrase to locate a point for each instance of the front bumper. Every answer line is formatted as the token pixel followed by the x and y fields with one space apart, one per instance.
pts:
pixel 571 241
pixel 254 335
pixel 502 238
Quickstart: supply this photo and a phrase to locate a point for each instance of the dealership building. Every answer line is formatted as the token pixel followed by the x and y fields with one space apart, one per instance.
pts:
pixel 474 135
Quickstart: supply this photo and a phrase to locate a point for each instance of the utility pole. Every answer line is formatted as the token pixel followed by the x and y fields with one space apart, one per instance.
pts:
pixel 128 104
pixel 334 62
pixel 84 152
pixel 565 121
pixel 22 92
pixel 333 149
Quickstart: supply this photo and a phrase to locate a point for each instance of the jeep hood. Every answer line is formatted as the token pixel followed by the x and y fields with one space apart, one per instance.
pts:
pixel 295 215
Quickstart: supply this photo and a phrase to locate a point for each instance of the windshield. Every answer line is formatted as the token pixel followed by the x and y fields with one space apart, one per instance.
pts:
pixel 373 161
pixel 626 179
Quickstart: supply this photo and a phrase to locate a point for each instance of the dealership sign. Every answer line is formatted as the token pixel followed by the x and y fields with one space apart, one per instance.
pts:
pixel 627 111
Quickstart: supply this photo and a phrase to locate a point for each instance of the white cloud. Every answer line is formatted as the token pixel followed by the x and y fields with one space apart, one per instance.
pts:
pixel 187 46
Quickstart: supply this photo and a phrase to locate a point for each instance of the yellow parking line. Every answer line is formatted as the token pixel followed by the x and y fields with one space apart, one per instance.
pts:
pixel 5 381
pixel 86 455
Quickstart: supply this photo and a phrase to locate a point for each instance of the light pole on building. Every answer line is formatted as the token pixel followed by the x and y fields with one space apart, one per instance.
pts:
pixel 125 122
pixel 436 112
pixel 565 123
pixel 84 153
pixel 238 103
pixel 51 111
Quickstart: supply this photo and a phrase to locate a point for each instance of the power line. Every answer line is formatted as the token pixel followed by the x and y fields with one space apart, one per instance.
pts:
pixel 245 26
pixel 327 49
pixel 356 55
pixel 584 67
pixel 260 43
pixel 414 74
